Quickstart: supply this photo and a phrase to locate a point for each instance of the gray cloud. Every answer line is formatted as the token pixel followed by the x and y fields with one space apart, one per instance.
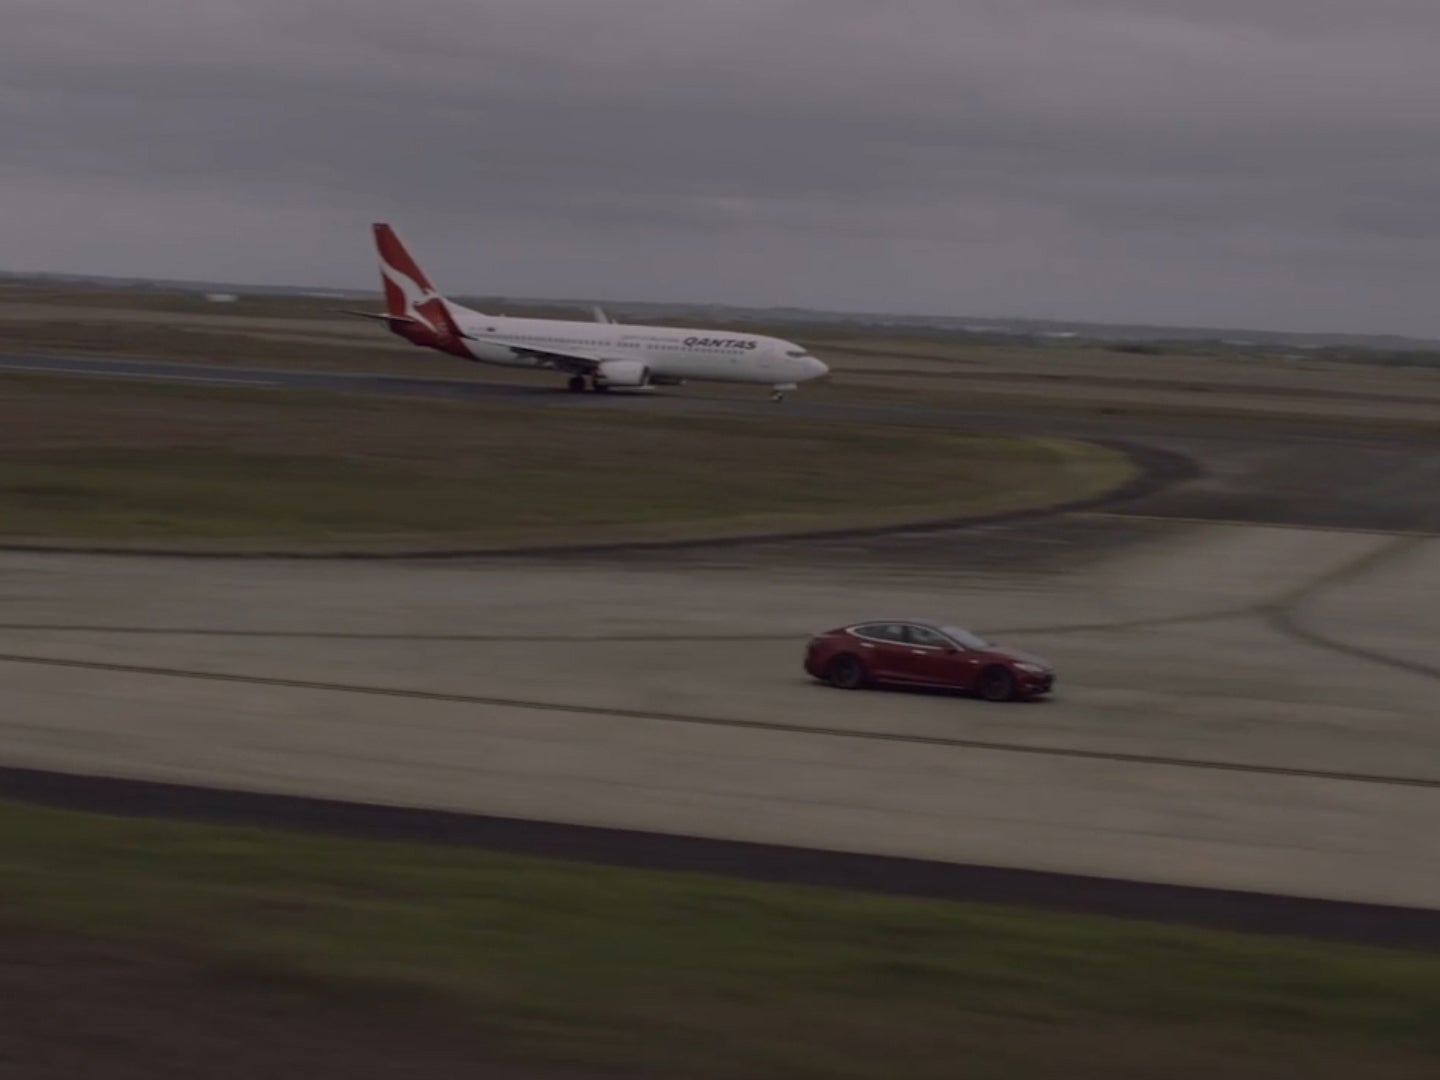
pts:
pixel 1271 163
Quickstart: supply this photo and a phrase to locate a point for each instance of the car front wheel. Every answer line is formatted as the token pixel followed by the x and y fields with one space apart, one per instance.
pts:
pixel 996 684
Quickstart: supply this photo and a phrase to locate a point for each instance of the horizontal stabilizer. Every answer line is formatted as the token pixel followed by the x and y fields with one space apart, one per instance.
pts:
pixel 381 315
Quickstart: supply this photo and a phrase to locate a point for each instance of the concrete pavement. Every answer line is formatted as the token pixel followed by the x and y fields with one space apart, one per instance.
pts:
pixel 1193 738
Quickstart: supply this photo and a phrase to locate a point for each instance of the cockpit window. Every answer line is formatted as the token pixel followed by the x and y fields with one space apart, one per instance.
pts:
pixel 796 352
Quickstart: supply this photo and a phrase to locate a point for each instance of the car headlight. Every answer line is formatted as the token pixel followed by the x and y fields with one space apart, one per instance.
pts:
pixel 1032 669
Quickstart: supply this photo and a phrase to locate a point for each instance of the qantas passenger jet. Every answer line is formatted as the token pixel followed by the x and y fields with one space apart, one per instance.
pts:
pixel 598 355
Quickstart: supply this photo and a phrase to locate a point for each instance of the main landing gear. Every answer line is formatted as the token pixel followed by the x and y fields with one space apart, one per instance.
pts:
pixel 576 384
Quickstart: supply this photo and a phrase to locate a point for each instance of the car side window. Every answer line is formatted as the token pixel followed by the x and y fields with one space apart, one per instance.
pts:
pixel 921 635
pixel 881 631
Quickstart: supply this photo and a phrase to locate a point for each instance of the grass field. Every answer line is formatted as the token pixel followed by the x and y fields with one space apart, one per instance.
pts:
pixel 709 977
pixel 95 461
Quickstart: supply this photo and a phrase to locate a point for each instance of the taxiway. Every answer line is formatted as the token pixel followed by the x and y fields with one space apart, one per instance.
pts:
pixel 1239 706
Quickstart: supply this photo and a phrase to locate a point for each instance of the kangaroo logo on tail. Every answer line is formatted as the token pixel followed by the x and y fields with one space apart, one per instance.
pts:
pixel 408 292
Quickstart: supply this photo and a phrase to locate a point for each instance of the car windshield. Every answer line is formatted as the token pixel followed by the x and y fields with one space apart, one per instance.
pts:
pixel 966 638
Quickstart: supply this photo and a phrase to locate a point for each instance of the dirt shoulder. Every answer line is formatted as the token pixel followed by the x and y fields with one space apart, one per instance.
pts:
pixel 78 1006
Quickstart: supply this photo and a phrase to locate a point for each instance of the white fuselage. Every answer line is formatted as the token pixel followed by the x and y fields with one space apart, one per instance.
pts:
pixel 667 353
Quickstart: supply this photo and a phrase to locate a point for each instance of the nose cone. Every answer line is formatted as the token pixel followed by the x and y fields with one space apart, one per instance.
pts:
pixel 813 368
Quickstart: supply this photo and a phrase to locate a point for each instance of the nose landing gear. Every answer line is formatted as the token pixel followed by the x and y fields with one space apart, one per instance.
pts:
pixel 780 391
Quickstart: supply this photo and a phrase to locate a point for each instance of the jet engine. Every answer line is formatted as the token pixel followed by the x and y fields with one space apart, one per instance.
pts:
pixel 622 373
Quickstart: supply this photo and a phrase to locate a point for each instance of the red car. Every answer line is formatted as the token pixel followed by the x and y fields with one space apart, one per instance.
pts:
pixel 913 652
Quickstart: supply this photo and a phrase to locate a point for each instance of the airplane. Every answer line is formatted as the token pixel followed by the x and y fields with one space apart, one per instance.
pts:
pixel 597 355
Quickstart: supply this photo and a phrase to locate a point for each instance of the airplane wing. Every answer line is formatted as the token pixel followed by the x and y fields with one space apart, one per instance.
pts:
pixel 579 363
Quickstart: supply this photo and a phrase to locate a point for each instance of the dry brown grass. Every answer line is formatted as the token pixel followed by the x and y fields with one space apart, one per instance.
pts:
pixel 90 460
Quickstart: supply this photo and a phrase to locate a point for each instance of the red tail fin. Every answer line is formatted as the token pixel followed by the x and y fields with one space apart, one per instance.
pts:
pixel 406 286
pixel 408 292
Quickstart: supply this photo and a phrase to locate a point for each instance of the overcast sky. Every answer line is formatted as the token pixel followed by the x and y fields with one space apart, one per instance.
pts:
pixel 1249 163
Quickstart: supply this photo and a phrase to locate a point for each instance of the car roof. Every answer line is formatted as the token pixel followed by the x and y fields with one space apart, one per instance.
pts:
pixel 933 623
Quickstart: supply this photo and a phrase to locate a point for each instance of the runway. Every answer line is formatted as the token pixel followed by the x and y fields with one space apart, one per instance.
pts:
pixel 1244 703
pixel 259 378
pixel 701 399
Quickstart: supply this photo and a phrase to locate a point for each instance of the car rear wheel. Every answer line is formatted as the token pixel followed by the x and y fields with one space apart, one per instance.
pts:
pixel 845 672
pixel 996 684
